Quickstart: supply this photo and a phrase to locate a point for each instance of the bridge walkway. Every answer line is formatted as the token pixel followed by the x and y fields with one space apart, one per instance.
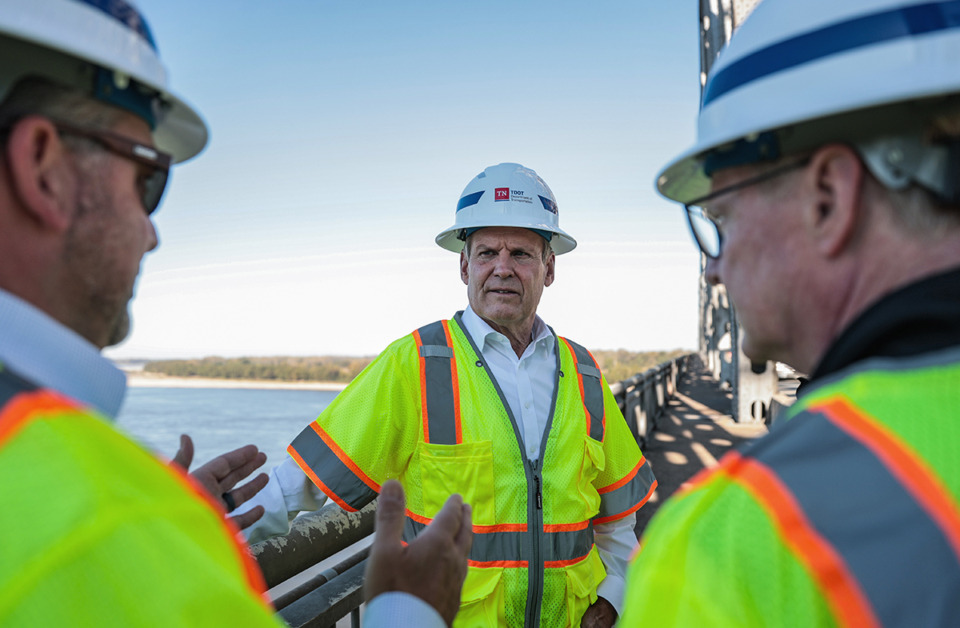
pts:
pixel 694 432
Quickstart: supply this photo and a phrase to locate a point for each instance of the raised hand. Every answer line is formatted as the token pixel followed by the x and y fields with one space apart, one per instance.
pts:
pixel 433 566
pixel 221 474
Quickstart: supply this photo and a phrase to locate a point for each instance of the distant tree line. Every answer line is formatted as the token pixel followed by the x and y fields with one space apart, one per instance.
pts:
pixel 287 369
pixel 621 364
pixel 616 365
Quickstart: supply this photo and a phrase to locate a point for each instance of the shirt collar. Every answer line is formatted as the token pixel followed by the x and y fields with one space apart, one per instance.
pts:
pixel 50 355
pixel 482 333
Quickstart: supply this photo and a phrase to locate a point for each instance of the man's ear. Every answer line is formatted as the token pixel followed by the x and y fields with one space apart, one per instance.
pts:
pixel 835 178
pixel 551 268
pixel 464 267
pixel 42 177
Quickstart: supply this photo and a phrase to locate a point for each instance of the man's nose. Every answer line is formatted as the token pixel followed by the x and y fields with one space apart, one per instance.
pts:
pixel 153 239
pixel 504 266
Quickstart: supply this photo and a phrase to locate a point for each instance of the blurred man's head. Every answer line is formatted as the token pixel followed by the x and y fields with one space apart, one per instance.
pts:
pixel 89 131
pixel 824 177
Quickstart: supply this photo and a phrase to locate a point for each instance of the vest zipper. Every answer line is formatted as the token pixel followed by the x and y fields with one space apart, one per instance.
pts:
pixel 535 566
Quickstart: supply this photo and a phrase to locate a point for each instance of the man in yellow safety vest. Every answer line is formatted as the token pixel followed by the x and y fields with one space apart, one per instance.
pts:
pixel 824 191
pixel 496 407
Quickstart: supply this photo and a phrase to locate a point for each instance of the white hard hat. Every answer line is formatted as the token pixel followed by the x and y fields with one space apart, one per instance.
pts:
pixel 104 49
pixel 507 195
pixel 796 75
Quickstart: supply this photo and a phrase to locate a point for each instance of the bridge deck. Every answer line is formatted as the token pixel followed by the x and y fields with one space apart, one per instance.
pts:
pixel 695 432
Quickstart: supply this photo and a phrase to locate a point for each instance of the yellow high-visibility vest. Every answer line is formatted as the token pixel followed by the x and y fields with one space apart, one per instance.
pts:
pixel 428 412
pixel 845 515
pixel 98 532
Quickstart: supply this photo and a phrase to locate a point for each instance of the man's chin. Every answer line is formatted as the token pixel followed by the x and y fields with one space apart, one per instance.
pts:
pixel 119 331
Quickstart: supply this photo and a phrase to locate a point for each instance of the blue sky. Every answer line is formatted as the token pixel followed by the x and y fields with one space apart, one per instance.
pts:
pixel 342 134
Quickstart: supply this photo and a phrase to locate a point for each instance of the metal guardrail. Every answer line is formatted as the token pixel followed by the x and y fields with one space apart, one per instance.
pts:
pixel 314 537
pixel 643 397
pixel 327 597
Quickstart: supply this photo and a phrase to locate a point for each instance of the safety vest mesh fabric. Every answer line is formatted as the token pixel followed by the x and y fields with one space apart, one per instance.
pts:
pixel 845 515
pixel 97 532
pixel 442 419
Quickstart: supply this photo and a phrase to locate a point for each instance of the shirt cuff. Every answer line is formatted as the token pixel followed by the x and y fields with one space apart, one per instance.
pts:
pixel 396 608
pixel 611 589
pixel 274 521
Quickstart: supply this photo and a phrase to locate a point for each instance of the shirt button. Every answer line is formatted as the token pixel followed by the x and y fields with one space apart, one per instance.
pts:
pixel 526 405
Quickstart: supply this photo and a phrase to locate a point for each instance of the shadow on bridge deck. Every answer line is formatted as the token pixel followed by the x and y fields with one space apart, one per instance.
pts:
pixel 694 433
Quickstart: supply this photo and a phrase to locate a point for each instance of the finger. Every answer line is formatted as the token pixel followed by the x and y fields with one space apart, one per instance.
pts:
pixel 224 464
pixel 464 538
pixel 237 474
pixel 390 514
pixel 248 490
pixel 246 519
pixel 449 520
pixel 184 455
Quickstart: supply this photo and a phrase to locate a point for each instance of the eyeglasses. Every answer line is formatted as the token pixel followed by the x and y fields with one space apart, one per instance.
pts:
pixel 706 228
pixel 150 185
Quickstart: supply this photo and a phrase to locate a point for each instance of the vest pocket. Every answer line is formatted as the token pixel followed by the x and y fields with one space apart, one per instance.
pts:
pixel 482 601
pixel 592 464
pixel 467 469
pixel 583 578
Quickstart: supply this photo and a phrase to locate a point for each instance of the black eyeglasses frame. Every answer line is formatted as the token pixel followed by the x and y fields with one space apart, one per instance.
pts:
pixel 696 205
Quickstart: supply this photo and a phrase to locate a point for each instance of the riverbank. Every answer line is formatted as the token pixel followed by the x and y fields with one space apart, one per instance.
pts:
pixel 139 379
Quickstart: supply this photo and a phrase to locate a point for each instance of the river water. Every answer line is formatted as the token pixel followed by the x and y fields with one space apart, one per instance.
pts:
pixel 220 419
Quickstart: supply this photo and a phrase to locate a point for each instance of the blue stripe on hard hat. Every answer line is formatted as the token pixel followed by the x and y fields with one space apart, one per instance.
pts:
pixel 469 199
pixel 834 39
pixel 126 15
pixel 548 204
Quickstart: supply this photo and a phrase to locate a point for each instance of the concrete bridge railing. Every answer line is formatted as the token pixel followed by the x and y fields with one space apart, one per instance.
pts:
pixel 321 599
pixel 644 397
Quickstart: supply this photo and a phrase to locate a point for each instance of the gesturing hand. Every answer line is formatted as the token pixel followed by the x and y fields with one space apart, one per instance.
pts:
pixel 222 473
pixel 433 566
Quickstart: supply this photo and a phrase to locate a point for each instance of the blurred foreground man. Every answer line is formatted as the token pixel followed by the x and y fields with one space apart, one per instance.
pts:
pixel 495 406
pixel 95 530
pixel 824 190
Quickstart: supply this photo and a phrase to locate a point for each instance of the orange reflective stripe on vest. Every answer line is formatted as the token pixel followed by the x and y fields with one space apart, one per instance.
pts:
pixel 853 570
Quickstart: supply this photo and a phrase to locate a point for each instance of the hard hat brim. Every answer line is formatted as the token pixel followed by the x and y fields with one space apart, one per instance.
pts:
pixel 560 243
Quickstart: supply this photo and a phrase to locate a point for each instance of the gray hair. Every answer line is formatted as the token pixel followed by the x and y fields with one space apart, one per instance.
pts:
pixel 38 96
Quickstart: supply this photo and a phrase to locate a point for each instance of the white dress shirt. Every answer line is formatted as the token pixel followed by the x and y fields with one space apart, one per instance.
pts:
pixel 46 353
pixel 527 383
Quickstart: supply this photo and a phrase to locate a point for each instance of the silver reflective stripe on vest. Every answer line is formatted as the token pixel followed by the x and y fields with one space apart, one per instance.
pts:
pixel 436 357
pixel 870 518
pixel 494 547
pixel 330 470
pixel 592 388
pixel 628 498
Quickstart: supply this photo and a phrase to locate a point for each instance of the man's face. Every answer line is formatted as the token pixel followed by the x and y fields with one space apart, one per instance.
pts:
pixel 505 275
pixel 760 264
pixel 109 235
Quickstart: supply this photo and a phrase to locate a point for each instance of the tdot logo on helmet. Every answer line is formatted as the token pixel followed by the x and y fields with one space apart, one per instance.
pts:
pixel 507 195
